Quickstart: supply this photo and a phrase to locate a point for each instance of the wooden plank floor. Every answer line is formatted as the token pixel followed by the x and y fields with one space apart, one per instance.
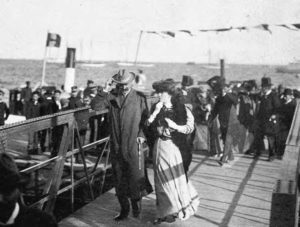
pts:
pixel 238 194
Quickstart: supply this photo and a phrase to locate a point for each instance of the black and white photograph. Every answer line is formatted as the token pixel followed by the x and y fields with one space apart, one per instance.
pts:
pixel 141 113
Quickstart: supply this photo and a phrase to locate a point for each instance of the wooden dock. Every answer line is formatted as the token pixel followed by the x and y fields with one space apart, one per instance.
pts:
pixel 236 194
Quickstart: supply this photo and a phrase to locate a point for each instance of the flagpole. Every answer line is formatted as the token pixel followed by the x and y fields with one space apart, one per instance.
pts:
pixel 44 62
pixel 138 47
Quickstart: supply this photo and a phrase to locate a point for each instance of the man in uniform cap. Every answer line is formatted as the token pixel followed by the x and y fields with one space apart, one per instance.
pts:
pixel 12 212
pixel 127 115
pixel 88 90
pixel 74 100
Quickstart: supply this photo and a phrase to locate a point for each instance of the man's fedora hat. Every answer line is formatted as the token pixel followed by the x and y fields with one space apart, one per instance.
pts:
pixel 266 82
pixel 123 77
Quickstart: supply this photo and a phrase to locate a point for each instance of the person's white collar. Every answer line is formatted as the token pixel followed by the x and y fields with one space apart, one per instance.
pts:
pixel 268 92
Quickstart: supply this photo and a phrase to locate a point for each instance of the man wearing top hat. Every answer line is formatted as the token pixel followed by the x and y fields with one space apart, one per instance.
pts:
pixel 12 212
pixel 265 117
pixel 127 116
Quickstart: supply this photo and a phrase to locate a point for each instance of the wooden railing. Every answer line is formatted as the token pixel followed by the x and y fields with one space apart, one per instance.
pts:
pixel 53 186
pixel 284 208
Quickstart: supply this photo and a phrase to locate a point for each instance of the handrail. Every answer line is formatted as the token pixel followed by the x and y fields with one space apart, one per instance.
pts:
pixel 67 120
pixel 284 208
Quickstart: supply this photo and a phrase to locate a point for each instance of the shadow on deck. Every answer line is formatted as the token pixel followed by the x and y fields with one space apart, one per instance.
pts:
pixel 238 194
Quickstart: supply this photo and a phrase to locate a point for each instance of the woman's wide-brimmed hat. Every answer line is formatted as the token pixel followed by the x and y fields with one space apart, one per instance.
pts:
pixel 167 85
pixel 123 77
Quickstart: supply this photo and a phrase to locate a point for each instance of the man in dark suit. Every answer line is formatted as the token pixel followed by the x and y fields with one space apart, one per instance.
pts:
pixel 26 94
pixel 222 109
pixel 127 115
pixel 286 113
pixel 269 103
pixel 12 212
pixel 88 90
pixel 74 100
pixel 45 109
pixel 33 111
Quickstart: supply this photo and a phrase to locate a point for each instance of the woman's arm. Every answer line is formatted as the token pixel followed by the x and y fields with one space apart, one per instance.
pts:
pixel 185 129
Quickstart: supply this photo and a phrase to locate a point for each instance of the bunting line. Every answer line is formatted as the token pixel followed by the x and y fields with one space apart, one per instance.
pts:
pixel 264 27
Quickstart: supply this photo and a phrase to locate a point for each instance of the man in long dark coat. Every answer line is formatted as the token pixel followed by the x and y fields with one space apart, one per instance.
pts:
pixel 127 113
pixel 267 110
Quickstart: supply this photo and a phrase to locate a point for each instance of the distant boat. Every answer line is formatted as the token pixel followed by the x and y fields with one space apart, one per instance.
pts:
pixel 293 68
pixel 92 64
pixel 213 66
pixel 145 65
pixel 132 64
pixel 125 64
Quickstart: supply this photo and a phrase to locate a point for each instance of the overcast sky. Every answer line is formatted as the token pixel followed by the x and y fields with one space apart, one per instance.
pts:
pixel 109 29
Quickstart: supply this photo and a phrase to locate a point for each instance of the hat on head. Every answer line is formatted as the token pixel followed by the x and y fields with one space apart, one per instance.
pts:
pixel 123 77
pixel 187 80
pixel 216 82
pixel 90 82
pixel 266 82
pixel 57 91
pixel 288 91
pixel 74 89
pixel 27 82
pixel 10 177
pixel 167 85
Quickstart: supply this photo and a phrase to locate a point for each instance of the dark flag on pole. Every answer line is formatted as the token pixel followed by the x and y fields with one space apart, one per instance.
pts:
pixel 53 40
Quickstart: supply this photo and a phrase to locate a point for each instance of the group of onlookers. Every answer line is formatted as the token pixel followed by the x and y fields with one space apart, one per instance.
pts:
pixel 263 112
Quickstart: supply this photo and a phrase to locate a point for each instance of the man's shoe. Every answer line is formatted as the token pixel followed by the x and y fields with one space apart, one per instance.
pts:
pixel 122 216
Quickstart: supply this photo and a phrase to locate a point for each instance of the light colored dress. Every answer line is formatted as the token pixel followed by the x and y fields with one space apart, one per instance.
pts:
pixel 175 194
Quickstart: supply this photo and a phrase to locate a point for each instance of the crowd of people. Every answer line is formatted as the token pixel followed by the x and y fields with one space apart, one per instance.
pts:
pixel 182 119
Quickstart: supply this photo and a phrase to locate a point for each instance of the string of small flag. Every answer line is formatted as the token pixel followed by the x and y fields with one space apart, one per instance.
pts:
pixel 265 27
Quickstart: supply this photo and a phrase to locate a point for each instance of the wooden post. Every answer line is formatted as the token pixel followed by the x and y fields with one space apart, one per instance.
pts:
pixel 138 47
pixel 222 69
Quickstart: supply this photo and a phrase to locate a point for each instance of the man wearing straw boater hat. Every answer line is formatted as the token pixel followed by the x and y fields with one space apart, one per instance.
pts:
pixel 127 114
pixel 12 212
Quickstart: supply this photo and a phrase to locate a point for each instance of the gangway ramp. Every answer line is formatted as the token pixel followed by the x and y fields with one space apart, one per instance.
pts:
pixel 238 194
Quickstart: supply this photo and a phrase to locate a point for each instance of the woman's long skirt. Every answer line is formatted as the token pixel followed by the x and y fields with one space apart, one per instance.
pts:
pixel 175 195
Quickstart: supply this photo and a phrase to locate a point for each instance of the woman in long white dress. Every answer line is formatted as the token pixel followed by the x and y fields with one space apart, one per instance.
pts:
pixel 172 121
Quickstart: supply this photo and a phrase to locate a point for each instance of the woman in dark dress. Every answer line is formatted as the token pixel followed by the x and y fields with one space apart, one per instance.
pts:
pixel 172 121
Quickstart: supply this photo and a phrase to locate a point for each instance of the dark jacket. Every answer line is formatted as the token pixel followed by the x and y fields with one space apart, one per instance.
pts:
pixel 126 124
pixel 33 110
pixel 32 217
pixel 268 106
pixel 47 107
pixel 75 102
pixel 222 108
pixel 4 112
pixel 26 93
pixel 286 113
pixel 99 102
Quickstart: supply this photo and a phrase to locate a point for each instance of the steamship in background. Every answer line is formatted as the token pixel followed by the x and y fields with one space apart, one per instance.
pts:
pixel 293 68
